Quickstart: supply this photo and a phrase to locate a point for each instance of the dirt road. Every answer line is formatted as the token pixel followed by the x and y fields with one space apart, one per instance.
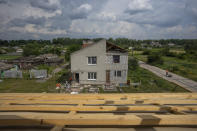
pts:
pixel 179 80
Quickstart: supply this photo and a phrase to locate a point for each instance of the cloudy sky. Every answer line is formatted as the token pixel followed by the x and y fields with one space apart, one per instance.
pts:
pixel 135 19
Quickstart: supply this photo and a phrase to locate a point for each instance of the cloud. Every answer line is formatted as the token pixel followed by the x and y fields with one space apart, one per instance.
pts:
pixel 3 2
pixel 81 12
pixel 107 16
pixel 30 20
pixel 45 4
pixel 31 28
pixel 137 6
pixel 137 19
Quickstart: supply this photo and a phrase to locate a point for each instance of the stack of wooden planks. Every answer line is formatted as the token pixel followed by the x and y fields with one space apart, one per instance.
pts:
pixel 147 109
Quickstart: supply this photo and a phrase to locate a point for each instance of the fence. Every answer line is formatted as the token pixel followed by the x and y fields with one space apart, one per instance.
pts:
pixel 38 73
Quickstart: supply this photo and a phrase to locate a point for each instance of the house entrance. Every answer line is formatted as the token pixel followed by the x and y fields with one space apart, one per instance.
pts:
pixel 107 76
pixel 77 77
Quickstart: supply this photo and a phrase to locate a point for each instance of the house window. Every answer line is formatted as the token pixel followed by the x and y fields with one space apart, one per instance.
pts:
pixel 117 73
pixel 116 58
pixel 91 75
pixel 92 60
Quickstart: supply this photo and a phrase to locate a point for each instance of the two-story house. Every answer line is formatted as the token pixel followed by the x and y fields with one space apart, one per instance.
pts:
pixel 100 63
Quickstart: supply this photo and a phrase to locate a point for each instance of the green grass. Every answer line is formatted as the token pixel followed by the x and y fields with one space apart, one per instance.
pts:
pixel 183 67
pixel 150 83
pixel 8 57
pixel 27 86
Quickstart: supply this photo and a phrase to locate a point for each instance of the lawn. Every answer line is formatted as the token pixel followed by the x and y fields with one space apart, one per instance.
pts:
pixel 150 82
pixel 27 86
pixel 183 67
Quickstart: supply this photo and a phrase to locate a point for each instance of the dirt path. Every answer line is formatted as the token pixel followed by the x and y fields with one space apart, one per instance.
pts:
pixel 179 80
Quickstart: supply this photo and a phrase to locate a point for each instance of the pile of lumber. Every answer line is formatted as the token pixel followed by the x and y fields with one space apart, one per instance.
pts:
pixel 138 109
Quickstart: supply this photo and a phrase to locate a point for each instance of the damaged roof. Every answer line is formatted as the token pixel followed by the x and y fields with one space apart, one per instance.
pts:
pixel 4 66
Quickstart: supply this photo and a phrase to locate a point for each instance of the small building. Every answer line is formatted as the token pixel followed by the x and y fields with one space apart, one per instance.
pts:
pixel 100 63
pixel 38 74
pixel 155 44
pixel 4 67
pixel 26 62
pixel 19 50
pixel 47 56
pixel 50 59
pixel 171 44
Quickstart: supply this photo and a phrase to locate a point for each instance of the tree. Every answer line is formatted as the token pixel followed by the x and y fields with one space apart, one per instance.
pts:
pixel 31 49
pixel 133 64
pixel 155 58
pixel 71 49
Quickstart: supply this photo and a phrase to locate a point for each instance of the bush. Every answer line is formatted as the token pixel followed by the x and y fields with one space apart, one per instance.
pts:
pixel 155 58
pixel 166 52
pixel 181 56
pixel 174 68
pixel 64 77
pixel 146 52
pixel 133 64
pixel 71 49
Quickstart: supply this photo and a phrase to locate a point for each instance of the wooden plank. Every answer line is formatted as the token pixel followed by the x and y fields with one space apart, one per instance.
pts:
pixel 150 101
pixel 97 119
pixel 62 108
pixel 40 96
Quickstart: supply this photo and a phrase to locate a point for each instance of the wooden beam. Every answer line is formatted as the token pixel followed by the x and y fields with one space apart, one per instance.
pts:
pixel 15 118
pixel 62 108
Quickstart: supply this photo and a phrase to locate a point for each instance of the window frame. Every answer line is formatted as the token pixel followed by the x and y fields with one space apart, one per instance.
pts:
pixel 118 60
pixel 118 73
pixel 90 59
pixel 92 75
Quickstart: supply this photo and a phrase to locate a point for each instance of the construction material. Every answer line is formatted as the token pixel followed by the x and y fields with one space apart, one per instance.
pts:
pixel 153 109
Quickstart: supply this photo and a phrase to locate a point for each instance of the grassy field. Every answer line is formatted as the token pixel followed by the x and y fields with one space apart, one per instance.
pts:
pixel 27 86
pixel 184 67
pixel 8 57
pixel 150 82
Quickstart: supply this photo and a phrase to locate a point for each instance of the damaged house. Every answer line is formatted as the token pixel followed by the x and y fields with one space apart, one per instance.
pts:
pixel 100 63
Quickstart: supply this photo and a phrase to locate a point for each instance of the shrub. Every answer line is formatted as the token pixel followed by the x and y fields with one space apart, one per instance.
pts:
pixel 174 68
pixel 146 52
pixel 133 64
pixel 181 56
pixel 155 58
pixel 64 77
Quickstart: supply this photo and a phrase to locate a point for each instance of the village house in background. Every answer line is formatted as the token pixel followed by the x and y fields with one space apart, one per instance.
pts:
pixel 100 63
pixel 31 61
pixel 155 44
pixel 4 67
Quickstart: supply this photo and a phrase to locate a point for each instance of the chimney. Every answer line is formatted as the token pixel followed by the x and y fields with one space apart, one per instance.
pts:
pixel 86 43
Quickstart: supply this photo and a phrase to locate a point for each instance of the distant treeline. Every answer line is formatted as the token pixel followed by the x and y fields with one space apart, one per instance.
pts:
pixel 124 42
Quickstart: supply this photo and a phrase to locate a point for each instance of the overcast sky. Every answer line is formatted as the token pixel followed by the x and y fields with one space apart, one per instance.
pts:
pixel 135 19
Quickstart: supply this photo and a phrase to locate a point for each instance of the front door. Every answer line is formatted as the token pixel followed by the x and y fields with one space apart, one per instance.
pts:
pixel 77 77
pixel 107 76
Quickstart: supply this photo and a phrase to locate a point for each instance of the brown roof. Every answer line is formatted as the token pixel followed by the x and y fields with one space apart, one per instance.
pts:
pixel 4 66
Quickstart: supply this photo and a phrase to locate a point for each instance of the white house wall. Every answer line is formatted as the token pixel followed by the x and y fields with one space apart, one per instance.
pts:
pixel 104 62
